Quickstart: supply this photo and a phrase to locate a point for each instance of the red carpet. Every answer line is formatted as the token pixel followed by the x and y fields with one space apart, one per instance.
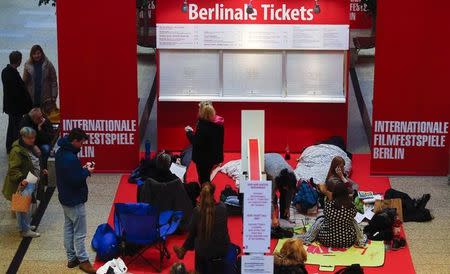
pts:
pixel 395 261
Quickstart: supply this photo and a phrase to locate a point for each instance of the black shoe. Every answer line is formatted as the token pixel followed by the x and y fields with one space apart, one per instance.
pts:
pixel 395 244
pixel 73 264
pixel 422 202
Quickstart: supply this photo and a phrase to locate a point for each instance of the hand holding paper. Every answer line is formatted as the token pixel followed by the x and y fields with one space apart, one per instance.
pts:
pixel 31 179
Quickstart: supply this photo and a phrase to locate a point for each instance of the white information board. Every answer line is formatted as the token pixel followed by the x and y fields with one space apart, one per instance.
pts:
pixel 189 73
pixel 315 73
pixel 257 216
pixel 257 264
pixel 248 36
pixel 252 74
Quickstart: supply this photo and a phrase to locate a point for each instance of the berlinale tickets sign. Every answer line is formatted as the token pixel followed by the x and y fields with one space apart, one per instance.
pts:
pixel 262 12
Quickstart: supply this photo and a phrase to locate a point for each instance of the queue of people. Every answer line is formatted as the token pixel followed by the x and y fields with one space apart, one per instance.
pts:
pixel 29 144
pixel 29 134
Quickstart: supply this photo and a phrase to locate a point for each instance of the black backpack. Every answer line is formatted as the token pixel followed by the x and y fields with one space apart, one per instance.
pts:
pixel 380 227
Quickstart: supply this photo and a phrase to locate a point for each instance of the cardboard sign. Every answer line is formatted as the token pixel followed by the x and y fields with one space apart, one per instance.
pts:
pixel 257 217
pixel 257 264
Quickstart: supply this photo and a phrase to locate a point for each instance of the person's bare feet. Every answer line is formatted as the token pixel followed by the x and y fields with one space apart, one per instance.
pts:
pixel 179 251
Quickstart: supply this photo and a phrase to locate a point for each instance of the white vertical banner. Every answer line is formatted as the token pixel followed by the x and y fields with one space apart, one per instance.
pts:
pixel 257 264
pixel 257 216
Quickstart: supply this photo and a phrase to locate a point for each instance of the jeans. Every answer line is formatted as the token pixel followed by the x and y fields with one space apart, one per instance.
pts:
pixel 12 133
pixel 45 150
pixel 75 233
pixel 24 219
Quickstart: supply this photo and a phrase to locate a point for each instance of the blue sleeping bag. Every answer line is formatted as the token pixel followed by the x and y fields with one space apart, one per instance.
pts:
pixel 105 243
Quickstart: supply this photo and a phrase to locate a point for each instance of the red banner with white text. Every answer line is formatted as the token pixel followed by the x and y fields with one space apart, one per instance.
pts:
pixel 411 102
pixel 98 80
pixel 359 17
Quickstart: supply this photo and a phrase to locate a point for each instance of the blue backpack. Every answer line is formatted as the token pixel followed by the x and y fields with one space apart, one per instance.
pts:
pixel 105 243
pixel 306 196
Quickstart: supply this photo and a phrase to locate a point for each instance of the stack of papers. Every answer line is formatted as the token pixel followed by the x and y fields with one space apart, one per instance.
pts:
pixel 367 215
pixel 31 178
pixel 178 170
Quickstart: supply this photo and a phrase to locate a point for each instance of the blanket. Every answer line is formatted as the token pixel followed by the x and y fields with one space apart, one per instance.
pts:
pixel 315 162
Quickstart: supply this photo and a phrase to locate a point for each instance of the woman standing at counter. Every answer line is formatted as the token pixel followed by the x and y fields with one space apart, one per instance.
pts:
pixel 207 141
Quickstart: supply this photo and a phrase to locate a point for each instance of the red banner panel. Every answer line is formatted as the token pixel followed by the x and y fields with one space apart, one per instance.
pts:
pixel 359 17
pixel 98 79
pixel 411 99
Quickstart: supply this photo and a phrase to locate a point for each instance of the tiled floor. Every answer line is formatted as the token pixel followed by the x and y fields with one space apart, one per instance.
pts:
pixel 22 24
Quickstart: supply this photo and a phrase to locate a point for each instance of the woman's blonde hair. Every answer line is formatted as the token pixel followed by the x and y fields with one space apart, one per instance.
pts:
pixel 293 252
pixel 206 111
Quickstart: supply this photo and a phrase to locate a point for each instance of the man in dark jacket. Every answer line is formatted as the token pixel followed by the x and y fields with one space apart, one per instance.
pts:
pixel 35 119
pixel 73 193
pixel 16 99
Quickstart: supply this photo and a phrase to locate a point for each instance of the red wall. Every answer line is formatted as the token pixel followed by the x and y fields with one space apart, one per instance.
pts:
pixel 299 125
pixel 98 70
pixel 412 69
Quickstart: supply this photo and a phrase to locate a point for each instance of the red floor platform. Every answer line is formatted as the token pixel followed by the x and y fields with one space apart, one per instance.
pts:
pixel 395 261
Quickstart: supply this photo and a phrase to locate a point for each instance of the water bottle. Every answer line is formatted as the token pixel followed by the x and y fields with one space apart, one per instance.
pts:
pixel 147 149
pixel 287 155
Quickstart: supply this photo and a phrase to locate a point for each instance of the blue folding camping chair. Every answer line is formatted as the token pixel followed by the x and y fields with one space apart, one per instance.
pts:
pixel 142 226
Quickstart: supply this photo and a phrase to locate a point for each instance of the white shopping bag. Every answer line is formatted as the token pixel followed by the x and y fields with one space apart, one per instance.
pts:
pixel 118 265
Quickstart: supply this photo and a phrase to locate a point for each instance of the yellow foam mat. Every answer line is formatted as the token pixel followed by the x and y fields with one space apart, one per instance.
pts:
pixel 372 255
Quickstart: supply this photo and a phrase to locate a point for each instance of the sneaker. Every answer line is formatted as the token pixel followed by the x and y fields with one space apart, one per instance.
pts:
pixel 395 244
pixel 74 263
pixel 33 227
pixel 30 234
pixel 87 267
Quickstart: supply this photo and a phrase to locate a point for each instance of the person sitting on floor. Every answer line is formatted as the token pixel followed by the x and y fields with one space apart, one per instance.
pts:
pixel 337 175
pixel 291 258
pixel 338 229
pixel 208 234
pixel 283 180
pixel 165 190
pixel 161 171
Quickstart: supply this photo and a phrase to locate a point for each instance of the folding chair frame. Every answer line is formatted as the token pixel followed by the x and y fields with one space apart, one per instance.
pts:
pixel 160 245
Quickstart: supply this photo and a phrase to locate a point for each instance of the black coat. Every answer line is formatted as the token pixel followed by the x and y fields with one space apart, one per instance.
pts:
pixel 16 99
pixel 43 136
pixel 207 143
pixel 290 269
pixel 167 196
